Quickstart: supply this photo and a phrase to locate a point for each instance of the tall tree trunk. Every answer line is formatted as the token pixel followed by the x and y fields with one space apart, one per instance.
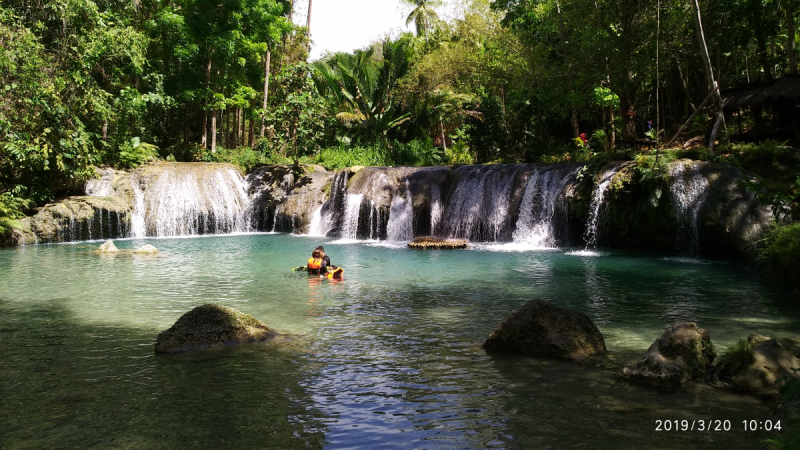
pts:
pixel 266 91
pixel 712 85
pixel 773 66
pixel 444 140
pixel 573 120
pixel 791 44
pixel 685 83
pixel 213 132
pixel 628 111
pixel 612 138
pixel 308 27
pixel 204 139
pixel 252 131
pixel 239 124
pixel 763 56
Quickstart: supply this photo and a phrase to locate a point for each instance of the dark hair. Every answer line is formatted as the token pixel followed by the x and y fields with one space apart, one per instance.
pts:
pixel 315 254
pixel 321 248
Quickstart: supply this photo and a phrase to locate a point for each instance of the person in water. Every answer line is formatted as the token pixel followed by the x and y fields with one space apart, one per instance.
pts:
pixel 326 260
pixel 316 263
pixel 328 270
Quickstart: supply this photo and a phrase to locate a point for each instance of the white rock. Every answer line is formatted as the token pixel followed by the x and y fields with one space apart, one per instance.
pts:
pixel 108 247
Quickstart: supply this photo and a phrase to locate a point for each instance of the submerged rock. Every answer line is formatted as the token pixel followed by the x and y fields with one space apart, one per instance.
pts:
pixel 211 325
pixel 681 353
pixel 756 364
pixel 108 247
pixel 541 328
pixel 429 243
pixel 146 248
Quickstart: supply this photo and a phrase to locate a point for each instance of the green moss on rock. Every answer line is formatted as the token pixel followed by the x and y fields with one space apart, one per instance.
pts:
pixel 541 328
pixel 682 352
pixel 211 325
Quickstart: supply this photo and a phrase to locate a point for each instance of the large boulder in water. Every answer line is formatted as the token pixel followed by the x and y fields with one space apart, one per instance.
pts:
pixel 755 365
pixel 681 353
pixel 541 328
pixel 209 326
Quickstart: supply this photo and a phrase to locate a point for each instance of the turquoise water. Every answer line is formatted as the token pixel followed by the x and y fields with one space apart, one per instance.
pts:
pixel 389 357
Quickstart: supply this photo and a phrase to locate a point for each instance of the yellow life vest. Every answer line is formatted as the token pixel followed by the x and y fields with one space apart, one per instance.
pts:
pixel 314 263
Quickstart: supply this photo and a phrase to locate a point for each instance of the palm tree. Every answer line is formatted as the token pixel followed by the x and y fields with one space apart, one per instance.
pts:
pixel 359 86
pixel 423 15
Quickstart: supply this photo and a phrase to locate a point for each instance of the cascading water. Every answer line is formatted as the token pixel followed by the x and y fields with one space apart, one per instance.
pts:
pixel 401 217
pixel 595 206
pixel 688 191
pixel 535 224
pixel 351 213
pixel 184 200
pixel 478 207
pixel 324 219
pixel 436 208
pixel 103 186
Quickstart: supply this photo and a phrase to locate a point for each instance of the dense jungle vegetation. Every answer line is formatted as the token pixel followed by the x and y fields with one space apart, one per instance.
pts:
pixel 108 82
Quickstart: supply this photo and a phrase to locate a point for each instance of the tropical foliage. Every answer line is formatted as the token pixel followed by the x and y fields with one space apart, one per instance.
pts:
pixel 90 82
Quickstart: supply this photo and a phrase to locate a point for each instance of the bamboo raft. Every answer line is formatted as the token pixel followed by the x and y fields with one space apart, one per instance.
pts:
pixel 431 243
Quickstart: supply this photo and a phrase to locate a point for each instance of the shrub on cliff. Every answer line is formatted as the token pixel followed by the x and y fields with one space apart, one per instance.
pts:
pixel 10 210
pixel 781 254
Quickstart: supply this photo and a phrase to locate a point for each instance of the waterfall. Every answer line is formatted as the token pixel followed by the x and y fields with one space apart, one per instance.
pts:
pixel 324 219
pixel 479 206
pixel 688 191
pixel 436 208
pixel 594 207
pixel 401 214
pixel 351 213
pixel 185 200
pixel 537 213
pixel 103 186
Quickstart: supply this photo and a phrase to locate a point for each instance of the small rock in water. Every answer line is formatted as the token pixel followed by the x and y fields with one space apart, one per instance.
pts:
pixel 209 326
pixel 108 247
pixel 681 353
pixel 146 248
pixel 754 366
pixel 541 328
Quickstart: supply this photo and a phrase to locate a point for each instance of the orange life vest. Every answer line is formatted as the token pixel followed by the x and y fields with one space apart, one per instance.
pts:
pixel 314 263
pixel 335 274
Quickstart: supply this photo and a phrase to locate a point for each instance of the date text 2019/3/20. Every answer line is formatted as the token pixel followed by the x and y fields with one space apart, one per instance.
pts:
pixel 715 425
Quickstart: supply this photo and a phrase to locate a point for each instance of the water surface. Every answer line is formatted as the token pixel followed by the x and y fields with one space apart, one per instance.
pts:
pixel 390 357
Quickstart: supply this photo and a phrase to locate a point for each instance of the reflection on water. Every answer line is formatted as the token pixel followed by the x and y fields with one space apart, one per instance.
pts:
pixel 388 357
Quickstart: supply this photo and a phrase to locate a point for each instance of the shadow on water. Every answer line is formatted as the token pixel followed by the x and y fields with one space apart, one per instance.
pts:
pixel 67 385
pixel 606 411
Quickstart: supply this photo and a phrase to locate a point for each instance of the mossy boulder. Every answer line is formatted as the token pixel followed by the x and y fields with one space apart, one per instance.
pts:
pixel 756 364
pixel 541 328
pixel 682 352
pixel 211 325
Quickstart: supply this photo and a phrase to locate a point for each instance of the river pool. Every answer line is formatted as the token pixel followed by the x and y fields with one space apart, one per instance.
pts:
pixel 388 358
